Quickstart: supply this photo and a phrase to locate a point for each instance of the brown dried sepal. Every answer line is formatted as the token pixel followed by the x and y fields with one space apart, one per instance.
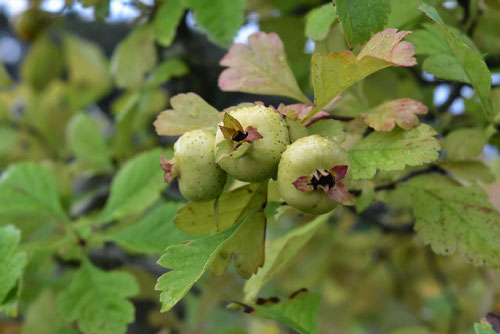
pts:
pixel 169 169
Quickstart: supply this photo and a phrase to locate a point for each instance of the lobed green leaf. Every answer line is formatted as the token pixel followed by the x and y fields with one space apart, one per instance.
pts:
pixel 29 188
pixel 393 151
pixel 97 300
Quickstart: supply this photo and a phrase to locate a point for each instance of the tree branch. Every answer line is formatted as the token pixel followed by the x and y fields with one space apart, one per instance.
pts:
pixel 392 185
pixel 454 94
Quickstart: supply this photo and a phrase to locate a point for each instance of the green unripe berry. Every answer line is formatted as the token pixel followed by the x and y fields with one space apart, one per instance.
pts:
pixel 200 178
pixel 260 160
pixel 304 158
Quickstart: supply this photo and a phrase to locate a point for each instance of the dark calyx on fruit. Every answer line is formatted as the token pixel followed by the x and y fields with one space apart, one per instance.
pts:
pixel 325 179
pixel 239 136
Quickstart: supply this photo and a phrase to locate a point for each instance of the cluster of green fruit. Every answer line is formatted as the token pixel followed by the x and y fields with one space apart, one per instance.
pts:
pixel 253 144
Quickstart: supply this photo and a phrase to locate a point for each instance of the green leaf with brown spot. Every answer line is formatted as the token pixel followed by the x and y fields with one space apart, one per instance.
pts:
pixel 456 219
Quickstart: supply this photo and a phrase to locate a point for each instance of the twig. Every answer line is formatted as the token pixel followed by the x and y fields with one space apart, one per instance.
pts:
pixel 392 185
pixel 372 217
pixel 329 116
pixel 454 94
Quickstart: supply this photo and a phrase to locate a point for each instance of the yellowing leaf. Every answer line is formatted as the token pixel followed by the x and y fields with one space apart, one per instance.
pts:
pixel 190 112
pixel 217 215
pixel 393 151
pixel 134 57
pixel 334 72
pixel 87 64
pixel 401 112
pixel 259 68
pixel 246 246
pixel 452 218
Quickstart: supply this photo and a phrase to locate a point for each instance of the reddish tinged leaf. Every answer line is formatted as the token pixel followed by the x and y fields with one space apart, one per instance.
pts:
pixel 340 194
pixel 168 167
pixel 401 112
pixel 387 45
pixel 303 183
pixel 294 111
pixel 334 72
pixel 300 111
pixel 259 68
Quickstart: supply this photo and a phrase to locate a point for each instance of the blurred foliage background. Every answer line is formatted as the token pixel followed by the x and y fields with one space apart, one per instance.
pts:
pixel 81 84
